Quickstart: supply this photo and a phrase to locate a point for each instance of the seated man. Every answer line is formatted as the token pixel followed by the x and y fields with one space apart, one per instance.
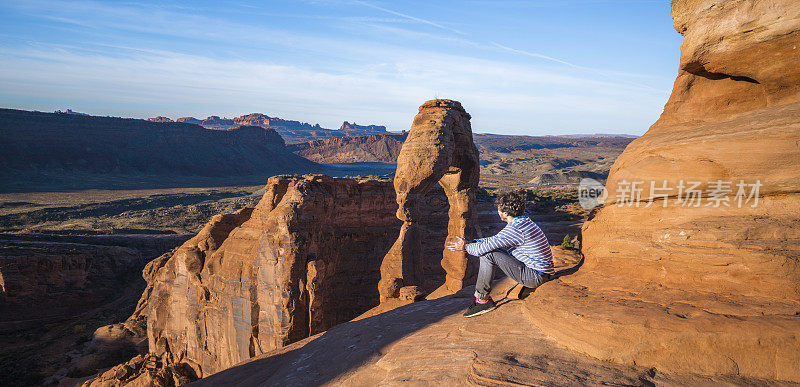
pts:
pixel 520 250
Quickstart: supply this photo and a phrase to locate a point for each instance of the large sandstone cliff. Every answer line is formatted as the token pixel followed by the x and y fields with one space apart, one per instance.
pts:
pixel 713 285
pixel 305 258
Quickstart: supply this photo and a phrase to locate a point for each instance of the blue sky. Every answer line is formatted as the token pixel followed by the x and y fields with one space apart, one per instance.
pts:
pixel 519 67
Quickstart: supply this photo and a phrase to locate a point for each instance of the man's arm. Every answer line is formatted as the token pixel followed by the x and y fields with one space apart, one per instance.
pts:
pixel 507 237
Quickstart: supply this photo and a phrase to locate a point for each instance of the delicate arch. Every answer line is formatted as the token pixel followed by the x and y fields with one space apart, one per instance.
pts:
pixel 439 149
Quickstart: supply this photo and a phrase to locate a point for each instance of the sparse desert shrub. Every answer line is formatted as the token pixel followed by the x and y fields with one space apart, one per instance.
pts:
pixel 567 242
pixel 80 328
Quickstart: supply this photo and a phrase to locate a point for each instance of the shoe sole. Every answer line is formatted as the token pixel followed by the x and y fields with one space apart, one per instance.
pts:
pixel 481 312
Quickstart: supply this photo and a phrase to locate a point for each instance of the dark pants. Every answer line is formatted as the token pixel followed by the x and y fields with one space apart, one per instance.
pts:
pixel 513 268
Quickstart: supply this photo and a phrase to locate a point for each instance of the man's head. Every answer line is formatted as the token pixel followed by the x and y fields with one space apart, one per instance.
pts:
pixel 510 205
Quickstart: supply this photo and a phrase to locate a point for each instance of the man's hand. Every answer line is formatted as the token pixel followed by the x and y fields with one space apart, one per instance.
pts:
pixel 456 245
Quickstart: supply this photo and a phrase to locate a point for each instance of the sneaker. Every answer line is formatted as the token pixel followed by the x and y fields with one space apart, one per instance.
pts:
pixel 478 309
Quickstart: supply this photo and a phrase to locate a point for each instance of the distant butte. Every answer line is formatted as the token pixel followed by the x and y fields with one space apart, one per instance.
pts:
pixel 292 131
pixel 346 126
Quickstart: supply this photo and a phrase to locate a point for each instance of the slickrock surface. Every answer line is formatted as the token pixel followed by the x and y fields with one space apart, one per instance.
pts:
pixel 430 343
pixel 702 289
pixel 439 148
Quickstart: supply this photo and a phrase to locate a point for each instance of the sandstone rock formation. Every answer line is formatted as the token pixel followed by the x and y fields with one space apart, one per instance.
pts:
pixel 116 343
pixel 264 277
pixel 507 162
pixel 217 122
pixel 189 120
pixel 495 150
pixel 439 148
pixel 712 288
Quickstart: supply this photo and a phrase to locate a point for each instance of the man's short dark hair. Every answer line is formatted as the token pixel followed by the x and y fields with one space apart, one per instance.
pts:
pixel 512 203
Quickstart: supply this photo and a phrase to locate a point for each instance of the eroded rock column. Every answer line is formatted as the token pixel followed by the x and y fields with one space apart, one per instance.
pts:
pixel 439 149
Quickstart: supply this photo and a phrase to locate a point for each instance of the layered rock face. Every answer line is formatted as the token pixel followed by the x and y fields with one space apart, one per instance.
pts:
pixel 439 148
pixel 48 281
pixel 711 282
pixel 373 148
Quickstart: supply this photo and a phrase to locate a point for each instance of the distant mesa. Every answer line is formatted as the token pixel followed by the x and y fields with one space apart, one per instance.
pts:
pixel 160 119
pixel 292 131
pixel 70 111
pixel 188 120
pixel 505 143
pixel 346 126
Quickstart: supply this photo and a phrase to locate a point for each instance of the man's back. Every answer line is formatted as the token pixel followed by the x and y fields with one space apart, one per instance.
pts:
pixel 524 240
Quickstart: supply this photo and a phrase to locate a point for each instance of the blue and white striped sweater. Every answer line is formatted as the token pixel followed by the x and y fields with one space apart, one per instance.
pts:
pixel 523 239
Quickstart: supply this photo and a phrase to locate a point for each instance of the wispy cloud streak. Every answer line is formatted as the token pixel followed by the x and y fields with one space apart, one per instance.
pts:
pixel 534 55
pixel 409 17
pixel 600 72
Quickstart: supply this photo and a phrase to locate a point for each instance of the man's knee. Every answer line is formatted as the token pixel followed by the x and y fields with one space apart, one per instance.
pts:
pixel 488 257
